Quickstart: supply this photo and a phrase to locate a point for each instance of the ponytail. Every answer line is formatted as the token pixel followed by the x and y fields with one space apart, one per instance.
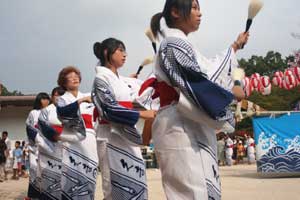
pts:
pixel 98 51
pixel 183 6
pixel 155 24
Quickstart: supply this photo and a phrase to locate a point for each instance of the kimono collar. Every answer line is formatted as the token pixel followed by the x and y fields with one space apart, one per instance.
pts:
pixel 102 70
pixel 171 32
pixel 70 95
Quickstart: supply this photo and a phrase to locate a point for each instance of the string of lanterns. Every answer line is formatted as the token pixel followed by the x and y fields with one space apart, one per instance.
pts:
pixel 288 79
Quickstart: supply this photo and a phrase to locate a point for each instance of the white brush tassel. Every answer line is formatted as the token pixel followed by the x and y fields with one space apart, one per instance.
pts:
pixel 254 7
pixel 147 61
pixel 238 74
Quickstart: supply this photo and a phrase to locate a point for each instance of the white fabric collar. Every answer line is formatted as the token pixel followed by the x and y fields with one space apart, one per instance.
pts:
pixel 102 70
pixel 70 95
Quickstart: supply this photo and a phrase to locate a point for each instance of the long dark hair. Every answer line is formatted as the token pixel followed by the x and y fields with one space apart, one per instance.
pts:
pixel 184 8
pixel 37 105
pixel 110 45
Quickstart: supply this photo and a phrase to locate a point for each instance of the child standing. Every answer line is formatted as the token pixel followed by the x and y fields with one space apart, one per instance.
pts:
pixel 240 152
pixel 3 149
pixel 17 155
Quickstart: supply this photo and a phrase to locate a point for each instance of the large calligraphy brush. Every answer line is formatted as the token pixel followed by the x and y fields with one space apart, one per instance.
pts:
pixel 147 61
pixel 254 7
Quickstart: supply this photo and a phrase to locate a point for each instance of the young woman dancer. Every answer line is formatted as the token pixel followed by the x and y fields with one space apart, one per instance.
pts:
pixel 50 152
pixel 122 166
pixel 184 144
pixel 41 101
pixel 79 151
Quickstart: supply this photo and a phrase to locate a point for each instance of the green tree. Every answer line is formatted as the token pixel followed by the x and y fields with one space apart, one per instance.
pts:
pixel 5 92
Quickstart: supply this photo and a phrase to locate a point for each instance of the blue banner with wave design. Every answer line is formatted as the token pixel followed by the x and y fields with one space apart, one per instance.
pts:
pixel 277 143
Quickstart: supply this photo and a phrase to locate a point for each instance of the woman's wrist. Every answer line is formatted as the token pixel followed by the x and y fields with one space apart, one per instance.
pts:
pixel 236 45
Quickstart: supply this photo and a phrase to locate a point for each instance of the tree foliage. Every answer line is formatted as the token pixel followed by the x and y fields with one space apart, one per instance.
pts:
pixel 5 92
pixel 267 65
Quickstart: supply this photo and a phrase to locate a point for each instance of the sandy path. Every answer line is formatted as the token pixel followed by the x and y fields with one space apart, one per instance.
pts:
pixel 238 182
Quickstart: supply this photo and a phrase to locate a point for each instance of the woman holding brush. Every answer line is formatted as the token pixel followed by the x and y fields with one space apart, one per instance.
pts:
pixel 185 139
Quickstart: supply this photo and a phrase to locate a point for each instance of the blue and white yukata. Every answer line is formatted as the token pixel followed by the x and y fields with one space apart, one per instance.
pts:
pixel 50 153
pixel 184 128
pixel 79 151
pixel 33 137
pixel 122 166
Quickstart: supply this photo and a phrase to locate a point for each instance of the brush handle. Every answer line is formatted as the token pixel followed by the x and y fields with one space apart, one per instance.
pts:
pixel 248 25
pixel 154 47
pixel 139 70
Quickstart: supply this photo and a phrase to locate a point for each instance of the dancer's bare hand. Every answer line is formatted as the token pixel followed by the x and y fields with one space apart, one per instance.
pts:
pixel 241 41
pixel 148 114
pixel 238 92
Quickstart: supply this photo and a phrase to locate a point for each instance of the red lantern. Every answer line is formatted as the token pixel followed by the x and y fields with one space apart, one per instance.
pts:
pixel 266 86
pixel 279 74
pixel 277 81
pixel 247 86
pixel 255 82
pixel 255 75
pixel 290 80
pixel 288 72
pixel 265 81
pixel 296 72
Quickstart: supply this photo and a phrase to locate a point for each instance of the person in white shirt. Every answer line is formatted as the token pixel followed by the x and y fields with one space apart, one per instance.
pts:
pixel 250 149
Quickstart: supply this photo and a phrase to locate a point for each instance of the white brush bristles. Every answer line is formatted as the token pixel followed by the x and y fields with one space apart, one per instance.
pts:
pixel 147 61
pixel 150 35
pixel 254 8
pixel 238 74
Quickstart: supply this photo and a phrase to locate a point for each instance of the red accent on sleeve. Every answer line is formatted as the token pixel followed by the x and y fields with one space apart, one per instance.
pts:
pixel 148 83
pixel 87 120
pixel 126 104
pixel 58 129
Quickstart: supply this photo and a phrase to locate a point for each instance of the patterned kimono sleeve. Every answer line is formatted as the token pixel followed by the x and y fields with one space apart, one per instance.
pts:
pixel 69 115
pixel 177 58
pixel 220 67
pixel 109 109
pixel 45 127
pixel 30 119
pixel 178 61
pixel 31 130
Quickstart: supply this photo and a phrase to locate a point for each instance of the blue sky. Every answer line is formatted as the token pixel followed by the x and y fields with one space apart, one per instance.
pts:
pixel 38 38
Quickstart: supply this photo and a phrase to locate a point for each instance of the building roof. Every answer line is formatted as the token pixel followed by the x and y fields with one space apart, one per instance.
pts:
pixel 16 100
pixel 29 100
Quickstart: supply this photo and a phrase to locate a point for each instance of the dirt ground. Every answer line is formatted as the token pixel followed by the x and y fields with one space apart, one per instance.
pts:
pixel 238 182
